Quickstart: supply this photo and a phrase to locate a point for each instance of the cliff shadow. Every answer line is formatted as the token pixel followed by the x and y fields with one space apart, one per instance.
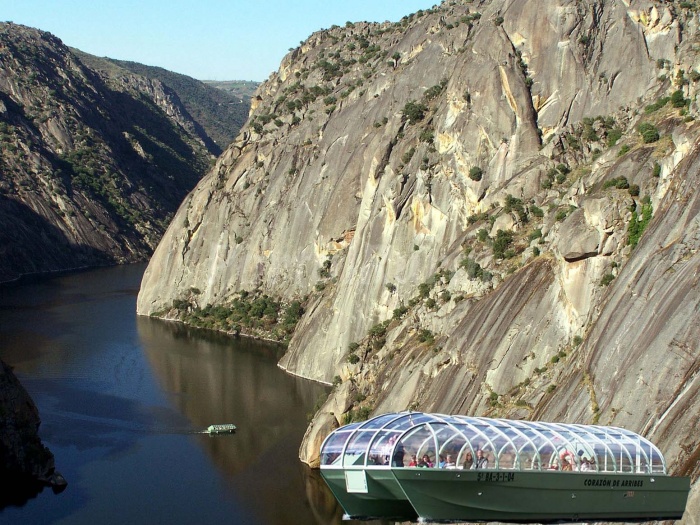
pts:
pixel 30 244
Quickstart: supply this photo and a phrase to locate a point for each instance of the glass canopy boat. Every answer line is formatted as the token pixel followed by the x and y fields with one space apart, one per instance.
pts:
pixel 431 467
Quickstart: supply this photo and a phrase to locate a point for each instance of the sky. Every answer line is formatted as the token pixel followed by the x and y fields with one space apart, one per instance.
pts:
pixel 205 39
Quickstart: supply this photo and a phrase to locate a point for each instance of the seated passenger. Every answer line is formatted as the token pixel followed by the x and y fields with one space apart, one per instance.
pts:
pixel 414 461
pixel 554 465
pixel 449 462
pixel 481 461
pixel 425 462
pixel 441 462
pixel 469 461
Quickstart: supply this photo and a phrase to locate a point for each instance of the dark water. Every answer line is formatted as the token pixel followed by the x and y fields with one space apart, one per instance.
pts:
pixel 121 398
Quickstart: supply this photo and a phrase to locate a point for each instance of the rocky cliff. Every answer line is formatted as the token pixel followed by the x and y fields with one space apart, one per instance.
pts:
pixel 94 161
pixel 486 208
pixel 25 463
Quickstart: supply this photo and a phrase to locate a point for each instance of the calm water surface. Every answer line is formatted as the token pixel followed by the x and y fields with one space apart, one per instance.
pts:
pixel 121 398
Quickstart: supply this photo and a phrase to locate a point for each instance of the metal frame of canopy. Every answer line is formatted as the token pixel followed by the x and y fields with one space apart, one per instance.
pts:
pixel 513 444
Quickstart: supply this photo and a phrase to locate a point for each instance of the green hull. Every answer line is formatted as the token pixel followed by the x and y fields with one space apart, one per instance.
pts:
pixel 384 498
pixel 527 496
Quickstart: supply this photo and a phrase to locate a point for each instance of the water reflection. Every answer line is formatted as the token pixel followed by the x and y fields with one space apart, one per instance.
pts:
pixel 211 382
pixel 119 398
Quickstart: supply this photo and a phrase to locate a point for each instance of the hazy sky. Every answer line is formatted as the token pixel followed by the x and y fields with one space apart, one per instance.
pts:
pixel 206 39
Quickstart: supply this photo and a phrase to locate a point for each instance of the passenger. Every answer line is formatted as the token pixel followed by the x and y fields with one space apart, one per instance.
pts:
pixel 554 465
pixel 397 460
pixel 585 465
pixel 387 448
pixel 567 466
pixel 441 462
pixel 449 462
pixel 413 462
pixel 481 461
pixel 425 462
pixel 469 461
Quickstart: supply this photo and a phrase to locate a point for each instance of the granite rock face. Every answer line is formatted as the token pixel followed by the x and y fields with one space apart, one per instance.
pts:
pixel 505 193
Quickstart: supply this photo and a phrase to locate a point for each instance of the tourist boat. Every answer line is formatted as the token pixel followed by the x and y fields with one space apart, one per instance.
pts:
pixel 484 469
pixel 226 428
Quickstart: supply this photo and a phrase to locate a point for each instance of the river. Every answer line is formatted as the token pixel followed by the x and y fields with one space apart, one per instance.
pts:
pixel 121 399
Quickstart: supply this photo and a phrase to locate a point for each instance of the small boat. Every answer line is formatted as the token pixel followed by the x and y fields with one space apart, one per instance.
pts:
pixel 484 469
pixel 226 428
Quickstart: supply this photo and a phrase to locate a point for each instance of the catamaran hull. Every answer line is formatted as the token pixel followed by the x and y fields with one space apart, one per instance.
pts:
pixel 543 497
pixel 383 498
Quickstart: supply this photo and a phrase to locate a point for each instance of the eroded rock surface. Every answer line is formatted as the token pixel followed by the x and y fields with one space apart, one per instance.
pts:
pixel 506 194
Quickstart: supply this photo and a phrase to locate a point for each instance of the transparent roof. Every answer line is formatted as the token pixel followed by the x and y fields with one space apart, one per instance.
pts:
pixel 435 440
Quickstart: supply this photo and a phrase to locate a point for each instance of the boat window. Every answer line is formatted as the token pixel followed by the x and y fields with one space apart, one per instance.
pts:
pixel 356 449
pixel 657 462
pixel 333 447
pixel 382 446
pixel 453 444
pixel 419 442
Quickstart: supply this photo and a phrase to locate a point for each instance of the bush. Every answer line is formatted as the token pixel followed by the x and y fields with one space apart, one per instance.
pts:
pixel 648 132
pixel 620 183
pixel 378 330
pixel 678 100
pixel 426 336
pixel 536 234
pixel 476 173
pixel 433 92
pixel 657 105
pixel 427 136
pixel 353 359
pixel 637 226
pixel 473 268
pixel 400 312
pixel 501 243
pixel 607 279
pixel 614 135
pixel 413 111
pixel 536 211
pixel 408 155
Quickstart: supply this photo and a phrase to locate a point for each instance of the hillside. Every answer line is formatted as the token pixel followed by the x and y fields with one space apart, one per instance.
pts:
pixel 92 167
pixel 484 208
pixel 242 89
pixel 219 114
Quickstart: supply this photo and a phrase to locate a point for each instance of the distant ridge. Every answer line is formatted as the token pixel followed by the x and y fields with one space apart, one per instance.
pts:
pixel 220 112
pixel 243 89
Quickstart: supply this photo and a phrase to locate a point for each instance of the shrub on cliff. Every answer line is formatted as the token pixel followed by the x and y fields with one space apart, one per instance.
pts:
pixel 648 132
pixel 413 112
pixel 476 173
pixel 501 243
